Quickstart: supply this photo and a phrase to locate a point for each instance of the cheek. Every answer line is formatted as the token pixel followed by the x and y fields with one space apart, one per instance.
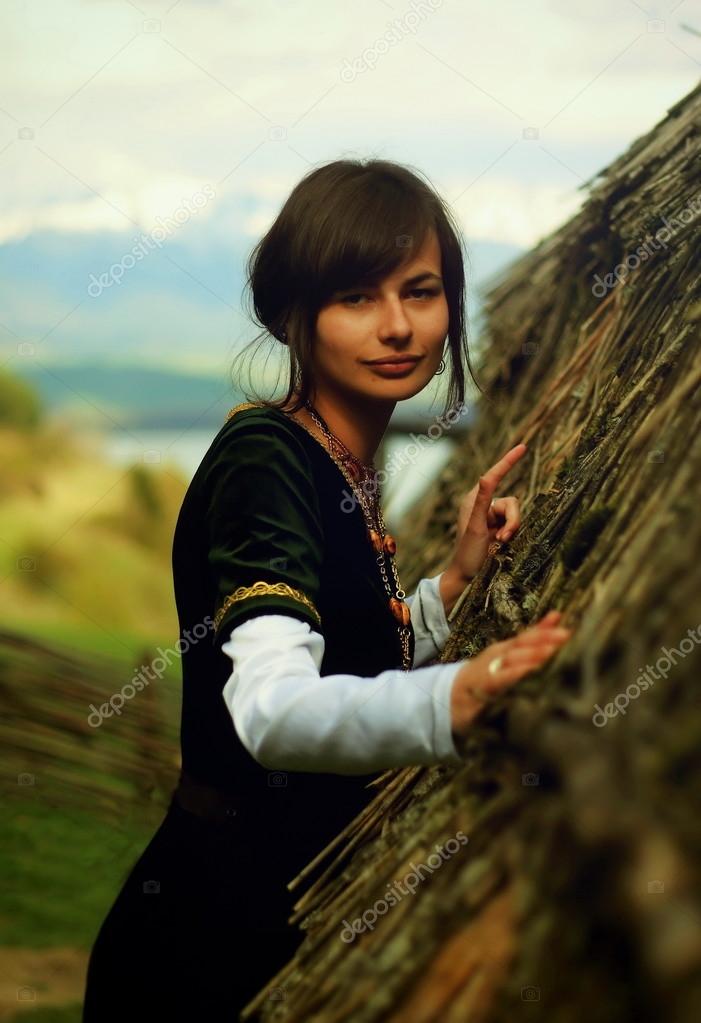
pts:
pixel 443 317
pixel 337 339
pixel 436 330
pixel 331 327
pixel 337 332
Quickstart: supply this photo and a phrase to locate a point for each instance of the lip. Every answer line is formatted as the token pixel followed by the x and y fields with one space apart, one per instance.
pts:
pixel 394 368
pixel 395 360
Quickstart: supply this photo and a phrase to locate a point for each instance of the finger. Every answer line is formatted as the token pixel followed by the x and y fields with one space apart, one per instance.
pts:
pixel 493 477
pixel 515 660
pixel 530 655
pixel 505 463
pixel 535 646
pixel 496 515
pixel 534 637
pixel 516 664
pixel 508 508
pixel 495 519
pixel 508 674
pixel 542 631
pixel 551 618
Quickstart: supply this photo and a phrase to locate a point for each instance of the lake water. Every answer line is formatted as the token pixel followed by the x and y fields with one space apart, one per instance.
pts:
pixel 411 468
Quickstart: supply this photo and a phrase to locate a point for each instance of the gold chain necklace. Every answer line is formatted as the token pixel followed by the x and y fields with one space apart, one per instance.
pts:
pixel 383 543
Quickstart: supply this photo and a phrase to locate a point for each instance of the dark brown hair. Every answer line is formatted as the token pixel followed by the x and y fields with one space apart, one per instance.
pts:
pixel 350 223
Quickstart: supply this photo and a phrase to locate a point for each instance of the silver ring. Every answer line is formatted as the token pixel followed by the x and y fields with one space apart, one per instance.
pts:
pixel 495 664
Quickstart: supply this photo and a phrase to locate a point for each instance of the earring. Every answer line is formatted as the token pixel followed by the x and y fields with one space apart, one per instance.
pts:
pixel 441 367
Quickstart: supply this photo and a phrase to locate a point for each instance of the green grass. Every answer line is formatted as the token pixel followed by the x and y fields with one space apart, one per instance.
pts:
pixel 122 648
pixel 62 870
pixel 51 1014
pixel 81 637
pixel 69 841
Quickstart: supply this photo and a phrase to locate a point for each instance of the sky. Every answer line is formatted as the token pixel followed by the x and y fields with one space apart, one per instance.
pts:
pixel 188 122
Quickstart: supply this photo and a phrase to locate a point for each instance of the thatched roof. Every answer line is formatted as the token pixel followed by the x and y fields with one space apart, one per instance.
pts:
pixel 578 886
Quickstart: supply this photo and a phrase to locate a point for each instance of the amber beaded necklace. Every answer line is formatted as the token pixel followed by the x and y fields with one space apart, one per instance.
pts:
pixel 357 474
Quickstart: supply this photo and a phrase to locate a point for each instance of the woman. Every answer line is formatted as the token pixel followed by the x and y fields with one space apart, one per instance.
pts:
pixel 312 677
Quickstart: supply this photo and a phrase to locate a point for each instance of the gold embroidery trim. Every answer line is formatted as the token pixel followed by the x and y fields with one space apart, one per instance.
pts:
pixel 243 405
pixel 259 589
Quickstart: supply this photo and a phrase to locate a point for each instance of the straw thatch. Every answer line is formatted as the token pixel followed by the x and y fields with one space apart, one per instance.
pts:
pixel 578 887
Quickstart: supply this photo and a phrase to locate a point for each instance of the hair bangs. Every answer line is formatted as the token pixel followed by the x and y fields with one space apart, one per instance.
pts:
pixel 370 235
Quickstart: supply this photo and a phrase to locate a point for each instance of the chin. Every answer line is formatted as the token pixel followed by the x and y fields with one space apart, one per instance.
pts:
pixel 396 390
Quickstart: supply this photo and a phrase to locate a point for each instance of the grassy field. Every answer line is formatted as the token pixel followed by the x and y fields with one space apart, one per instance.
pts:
pixel 79 806
pixel 85 597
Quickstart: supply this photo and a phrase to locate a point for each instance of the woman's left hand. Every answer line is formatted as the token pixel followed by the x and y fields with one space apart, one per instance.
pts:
pixel 482 519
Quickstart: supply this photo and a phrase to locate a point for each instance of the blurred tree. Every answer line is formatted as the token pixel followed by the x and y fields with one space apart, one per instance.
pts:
pixel 20 405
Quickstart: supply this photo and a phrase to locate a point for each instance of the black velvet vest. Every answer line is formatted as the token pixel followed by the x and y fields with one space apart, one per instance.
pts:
pixel 269 503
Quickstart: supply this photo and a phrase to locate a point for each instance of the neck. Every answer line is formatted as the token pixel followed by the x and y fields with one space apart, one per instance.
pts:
pixel 359 425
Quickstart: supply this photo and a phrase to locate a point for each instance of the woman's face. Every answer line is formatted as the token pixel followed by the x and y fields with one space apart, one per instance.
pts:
pixel 405 315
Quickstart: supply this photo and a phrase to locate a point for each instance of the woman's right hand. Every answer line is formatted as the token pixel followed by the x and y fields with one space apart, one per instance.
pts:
pixel 520 655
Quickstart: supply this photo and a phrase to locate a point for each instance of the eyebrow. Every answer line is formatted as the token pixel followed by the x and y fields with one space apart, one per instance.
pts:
pixel 410 280
pixel 422 277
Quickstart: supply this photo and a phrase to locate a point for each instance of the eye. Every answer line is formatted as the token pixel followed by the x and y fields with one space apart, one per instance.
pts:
pixel 422 293
pixel 426 292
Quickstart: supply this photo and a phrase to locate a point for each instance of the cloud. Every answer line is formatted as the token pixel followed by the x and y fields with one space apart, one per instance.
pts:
pixel 512 211
pixel 143 110
pixel 114 115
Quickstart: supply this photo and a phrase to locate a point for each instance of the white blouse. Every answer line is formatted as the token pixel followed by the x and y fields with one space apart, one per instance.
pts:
pixel 289 717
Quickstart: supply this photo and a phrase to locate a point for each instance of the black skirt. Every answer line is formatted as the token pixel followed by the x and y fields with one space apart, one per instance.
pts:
pixel 197 927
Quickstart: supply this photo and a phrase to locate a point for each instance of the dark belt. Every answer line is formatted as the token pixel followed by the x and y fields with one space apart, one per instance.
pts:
pixel 207 801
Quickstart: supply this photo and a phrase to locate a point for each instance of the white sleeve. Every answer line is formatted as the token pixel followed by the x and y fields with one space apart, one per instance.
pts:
pixel 289 717
pixel 431 629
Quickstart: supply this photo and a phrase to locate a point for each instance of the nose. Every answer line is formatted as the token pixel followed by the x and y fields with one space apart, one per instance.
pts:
pixel 394 321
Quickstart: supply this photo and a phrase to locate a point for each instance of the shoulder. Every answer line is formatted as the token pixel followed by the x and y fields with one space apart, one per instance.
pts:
pixel 248 413
pixel 258 434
